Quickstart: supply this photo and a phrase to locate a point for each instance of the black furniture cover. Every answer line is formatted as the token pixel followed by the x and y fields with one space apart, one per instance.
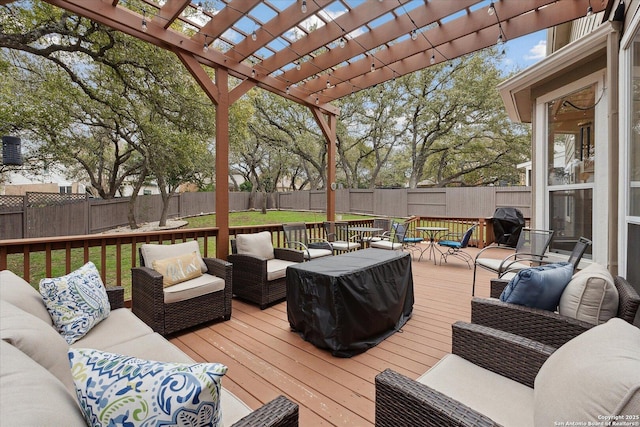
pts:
pixel 507 224
pixel 349 303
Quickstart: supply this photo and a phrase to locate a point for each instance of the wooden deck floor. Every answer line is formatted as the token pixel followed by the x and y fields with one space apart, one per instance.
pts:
pixel 266 359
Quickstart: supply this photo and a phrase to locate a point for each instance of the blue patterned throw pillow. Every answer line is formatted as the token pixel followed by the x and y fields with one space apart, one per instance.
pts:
pixel 121 390
pixel 76 302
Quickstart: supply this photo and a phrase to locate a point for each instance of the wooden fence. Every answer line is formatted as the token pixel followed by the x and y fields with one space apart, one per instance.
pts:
pixel 48 214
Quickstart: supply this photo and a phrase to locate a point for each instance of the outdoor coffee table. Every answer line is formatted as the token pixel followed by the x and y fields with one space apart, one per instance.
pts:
pixel 349 303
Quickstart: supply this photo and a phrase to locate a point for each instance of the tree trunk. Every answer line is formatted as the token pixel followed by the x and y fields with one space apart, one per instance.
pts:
pixel 131 214
pixel 264 202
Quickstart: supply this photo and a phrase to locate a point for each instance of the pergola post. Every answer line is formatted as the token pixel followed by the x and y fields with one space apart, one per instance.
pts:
pixel 327 123
pixel 222 163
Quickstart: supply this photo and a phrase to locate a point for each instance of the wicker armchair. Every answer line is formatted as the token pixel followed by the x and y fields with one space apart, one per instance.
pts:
pixel 489 380
pixel 261 280
pixel 280 412
pixel 545 326
pixel 148 298
pixel 402 401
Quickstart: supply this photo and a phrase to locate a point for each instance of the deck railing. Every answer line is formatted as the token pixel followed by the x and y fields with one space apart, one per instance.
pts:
pixel 114 254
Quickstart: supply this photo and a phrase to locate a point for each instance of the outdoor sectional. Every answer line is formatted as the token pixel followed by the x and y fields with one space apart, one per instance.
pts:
pixel 35 378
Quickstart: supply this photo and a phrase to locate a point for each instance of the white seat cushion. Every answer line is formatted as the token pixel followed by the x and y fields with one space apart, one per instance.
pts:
pixel 345 246
pixel 102 336
pixel 199 286
pixel 505 401
pixel 494 264
pixel 386 244
pixel 312 253
pixel 277 268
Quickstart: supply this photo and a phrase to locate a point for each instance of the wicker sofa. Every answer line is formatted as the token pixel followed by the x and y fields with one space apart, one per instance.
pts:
pixel 545 326
pixel 496 378
pixel 35 378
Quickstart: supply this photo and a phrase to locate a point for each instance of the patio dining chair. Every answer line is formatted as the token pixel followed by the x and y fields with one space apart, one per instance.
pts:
pixel 530 249
pixel 455 247
pixel 339 237
pixel 384 224
pixel 296 237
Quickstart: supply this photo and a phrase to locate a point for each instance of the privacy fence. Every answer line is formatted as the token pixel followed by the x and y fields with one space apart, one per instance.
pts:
pixel 50 214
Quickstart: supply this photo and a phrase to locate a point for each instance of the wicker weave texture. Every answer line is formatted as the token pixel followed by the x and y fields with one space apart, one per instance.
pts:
pixel 280 412
pixel 147 300
pixel 250 277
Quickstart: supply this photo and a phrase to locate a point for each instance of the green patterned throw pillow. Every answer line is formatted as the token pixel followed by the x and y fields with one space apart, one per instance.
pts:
pixel 76 302
pixel 121 390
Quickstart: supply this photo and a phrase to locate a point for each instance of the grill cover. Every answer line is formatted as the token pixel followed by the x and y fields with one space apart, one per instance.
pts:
pixel 507 224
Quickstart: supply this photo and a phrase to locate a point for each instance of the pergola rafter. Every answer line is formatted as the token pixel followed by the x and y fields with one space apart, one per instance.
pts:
pixel 298 52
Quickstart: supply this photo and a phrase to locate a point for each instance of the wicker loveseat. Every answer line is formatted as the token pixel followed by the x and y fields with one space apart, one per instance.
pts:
pixel 171 309
pixel 36 385
pixel 545 326
pixel 496 378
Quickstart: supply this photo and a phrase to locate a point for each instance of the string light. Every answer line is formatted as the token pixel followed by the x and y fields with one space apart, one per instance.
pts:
pixel 304 6
pixel 342 42
pixel 144 20
pixel 287 90
pixel 373 66
pixel 589 9
pixel 205 47
pixel 254 36
pixel 253 73
pixel 433 59
pixel 328 84
pixel 414 35
pixel 200 8
pixel 317 100
pixel 500 39
pixel 298 66
pixel 491 9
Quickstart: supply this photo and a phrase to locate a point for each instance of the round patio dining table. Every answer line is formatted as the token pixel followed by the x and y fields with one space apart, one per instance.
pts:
pixel 431 234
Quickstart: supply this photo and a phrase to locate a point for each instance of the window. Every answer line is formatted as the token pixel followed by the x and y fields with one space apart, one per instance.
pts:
pixel 571 161
pixel 634 142
pixel 65 189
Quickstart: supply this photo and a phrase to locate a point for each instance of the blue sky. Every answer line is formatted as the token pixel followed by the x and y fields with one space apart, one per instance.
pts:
pixel 525 51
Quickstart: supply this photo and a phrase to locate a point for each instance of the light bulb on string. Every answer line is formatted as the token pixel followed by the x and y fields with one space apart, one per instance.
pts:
pixel 205 47
pixel 298 66
pixel 200 8
pixel 492 10
pixel 342 42
pixel 253 73
pixel 328 84
pixel 500 39
pixel 303 8
pixel 287 90
pixel 589 11
pixel 414 35
pixel 433 59
pixel 373 67
pixel 254 36
pixel 317 100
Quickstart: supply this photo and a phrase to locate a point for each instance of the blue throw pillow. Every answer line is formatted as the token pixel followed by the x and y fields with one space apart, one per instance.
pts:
pixel 539 287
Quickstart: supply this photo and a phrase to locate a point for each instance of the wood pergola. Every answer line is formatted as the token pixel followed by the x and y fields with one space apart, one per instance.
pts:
pixel 316 51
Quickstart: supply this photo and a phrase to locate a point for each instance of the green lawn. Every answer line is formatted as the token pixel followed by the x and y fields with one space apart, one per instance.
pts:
pixel 37 260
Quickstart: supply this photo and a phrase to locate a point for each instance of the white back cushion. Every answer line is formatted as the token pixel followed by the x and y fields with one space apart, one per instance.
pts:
pixel 257 244
pixel 590 296
pixel 595 374
pixel 153 252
